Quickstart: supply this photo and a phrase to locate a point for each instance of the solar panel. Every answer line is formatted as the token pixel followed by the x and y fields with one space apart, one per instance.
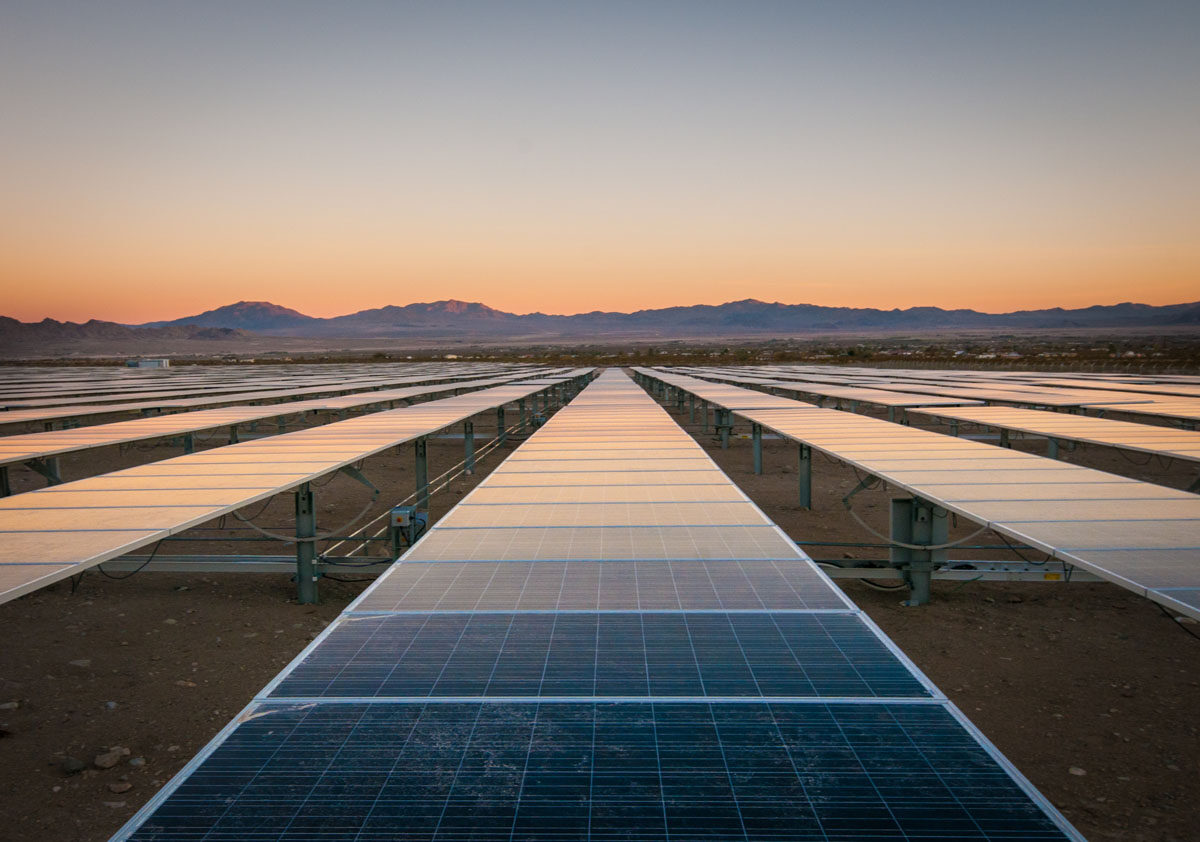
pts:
pixel 593 771
pixel 584 654
pixel 602 585
pixel 1081 516
pixel 541 666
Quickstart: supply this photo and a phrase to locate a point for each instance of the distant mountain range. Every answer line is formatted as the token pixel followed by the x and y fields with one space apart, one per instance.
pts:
pixel 460 321
pixel 737 317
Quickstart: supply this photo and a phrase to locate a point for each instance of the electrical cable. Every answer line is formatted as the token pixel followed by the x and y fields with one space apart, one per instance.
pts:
pixel 131 573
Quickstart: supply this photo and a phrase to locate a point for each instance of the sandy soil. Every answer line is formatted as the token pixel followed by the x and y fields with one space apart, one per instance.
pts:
pixel 1060 676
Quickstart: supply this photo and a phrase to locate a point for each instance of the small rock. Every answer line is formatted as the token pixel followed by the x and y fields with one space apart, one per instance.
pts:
pixel 172 748
pixel 170 621
pixel 13 705
pixel 137 761
pixel 1171 767
pixel 110 758
pixel 56 789
pixel 110 705
pixel 72 765
pixel 185 683
pixel 1075 770
pixel 1013 599
pixel 114 804
pixel 82 662
pixel 119 787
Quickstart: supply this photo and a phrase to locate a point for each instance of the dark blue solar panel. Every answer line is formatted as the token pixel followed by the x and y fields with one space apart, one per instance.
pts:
pixel 605 654
pixel 376 772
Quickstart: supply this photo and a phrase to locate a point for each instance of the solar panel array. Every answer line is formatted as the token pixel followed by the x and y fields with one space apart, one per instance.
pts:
pixel 1161 397
pixel 1170 442
pixel 51 533
pixel 605 640
pixel 233 386
pixel 1141 536
pixel 24 448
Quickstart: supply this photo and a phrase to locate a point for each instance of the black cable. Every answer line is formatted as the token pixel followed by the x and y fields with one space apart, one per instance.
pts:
pixel 137 569
pixel 1020 555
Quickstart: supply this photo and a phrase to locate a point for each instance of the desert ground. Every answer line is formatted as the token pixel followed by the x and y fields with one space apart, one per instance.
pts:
pixel 1091 691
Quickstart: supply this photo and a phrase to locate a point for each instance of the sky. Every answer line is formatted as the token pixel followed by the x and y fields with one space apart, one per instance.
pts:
pixel 162 158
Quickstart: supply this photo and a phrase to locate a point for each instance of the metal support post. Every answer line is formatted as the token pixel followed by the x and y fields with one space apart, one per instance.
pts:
pixel 805 474
pixel 954 426
pixel 469 443
pixel 692 404
pixel 724 427
pixel 854 406
pixel 1052 447
pixel 704 411
pixel 420 445
pixel 189 442
pixel 233 434
pixel 48 468
pixel 5 488
pixel 756 436
pixel 306 551
pixel 917 521
pixel 524 419
pixel 679 400
pixel 891 413
pixel 1004 442
pixel 501 434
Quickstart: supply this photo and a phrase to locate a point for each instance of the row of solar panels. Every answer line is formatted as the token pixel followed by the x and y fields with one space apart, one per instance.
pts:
pixel 1168 442
pixel 51 411
pixel 605 640
pixel 1142 536
pixel 52 533
pixel 39 446
pixel 1179 403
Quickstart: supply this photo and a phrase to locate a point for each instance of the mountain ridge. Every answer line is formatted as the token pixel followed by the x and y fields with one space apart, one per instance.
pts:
pixel 246 323
pixel 746 315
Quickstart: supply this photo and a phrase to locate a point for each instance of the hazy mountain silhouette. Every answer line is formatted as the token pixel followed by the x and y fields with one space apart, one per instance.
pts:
pixel 255 322
pixel 444 318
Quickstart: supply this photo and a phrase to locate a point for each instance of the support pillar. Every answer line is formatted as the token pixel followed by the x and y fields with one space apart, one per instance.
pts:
pixel 805 473
pixel 756 437
pixel 692 404
pixel 48 468
pixel 524 418
pixel 954 426
pixel 1004 442
pixel 421 447
pixel 306 551
pixel 233 434
pixel 5 488
pixel 469 444
pixel 891 413
pixel 189 442
pixel 704 410
pixel 1052 447
pixel 723 426
pixel 917 521
pixel 501 433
